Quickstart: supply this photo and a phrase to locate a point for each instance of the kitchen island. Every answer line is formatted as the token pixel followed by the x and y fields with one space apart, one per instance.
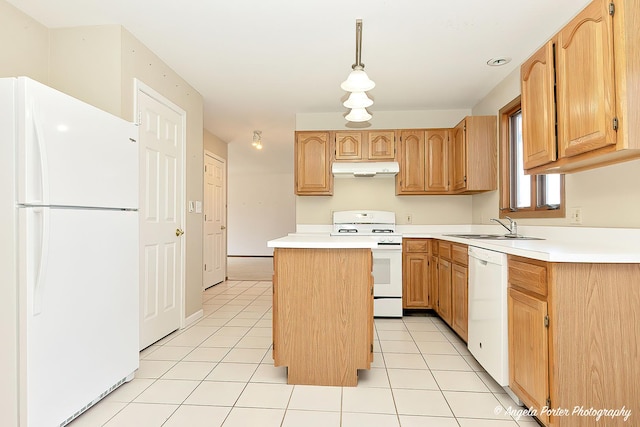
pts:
pixel 323 308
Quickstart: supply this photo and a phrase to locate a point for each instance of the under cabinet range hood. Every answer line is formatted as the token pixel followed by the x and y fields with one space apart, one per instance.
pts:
pixel 364 169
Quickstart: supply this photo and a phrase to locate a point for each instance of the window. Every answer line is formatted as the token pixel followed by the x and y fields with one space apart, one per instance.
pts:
pixel 521 195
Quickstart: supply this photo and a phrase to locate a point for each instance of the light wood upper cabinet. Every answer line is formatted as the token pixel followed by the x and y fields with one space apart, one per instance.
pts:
pixel 459 148
pixel 348 145
pixel 537 77
pixel 312 153
pixel 424 162
pixel 597 64
pixel 412 162
pixel 381 145
pixel 437 160
pixel 586 87
pixel 475 154
pixel 374 145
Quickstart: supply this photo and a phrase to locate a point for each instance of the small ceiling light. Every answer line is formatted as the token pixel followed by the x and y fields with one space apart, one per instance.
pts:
pixel 496 62
pixel 257 139
pixel 358 83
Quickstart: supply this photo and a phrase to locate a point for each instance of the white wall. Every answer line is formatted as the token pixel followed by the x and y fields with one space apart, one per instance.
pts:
pixel 261 202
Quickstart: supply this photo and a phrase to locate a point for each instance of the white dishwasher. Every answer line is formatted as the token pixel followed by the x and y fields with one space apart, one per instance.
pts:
pixel 488 334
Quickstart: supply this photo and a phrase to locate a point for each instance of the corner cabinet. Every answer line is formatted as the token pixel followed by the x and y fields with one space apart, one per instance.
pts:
pixel 475 155
pixel 312 152
pixel 573 338
pixel 596 74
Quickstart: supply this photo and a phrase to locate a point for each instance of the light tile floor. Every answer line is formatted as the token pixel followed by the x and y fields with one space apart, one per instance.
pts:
pixel 219 372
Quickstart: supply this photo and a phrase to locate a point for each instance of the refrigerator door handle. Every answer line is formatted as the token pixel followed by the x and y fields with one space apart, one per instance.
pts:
pixel 40 224
pixel 37 158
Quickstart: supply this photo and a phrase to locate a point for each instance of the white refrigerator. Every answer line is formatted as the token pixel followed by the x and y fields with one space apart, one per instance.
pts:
pixel 68 254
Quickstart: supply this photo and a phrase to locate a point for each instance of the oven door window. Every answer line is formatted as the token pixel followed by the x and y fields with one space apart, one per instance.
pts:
pixel 387 273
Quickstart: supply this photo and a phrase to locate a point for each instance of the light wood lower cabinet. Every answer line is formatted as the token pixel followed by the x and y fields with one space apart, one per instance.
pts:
pixel 435 275
pixel 460 300
pixel 415 274
pixel 444 289
pixel 323 314
pixel 574 336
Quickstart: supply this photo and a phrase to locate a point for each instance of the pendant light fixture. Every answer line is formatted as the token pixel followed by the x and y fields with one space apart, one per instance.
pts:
pixel 358 83
pixel 257 139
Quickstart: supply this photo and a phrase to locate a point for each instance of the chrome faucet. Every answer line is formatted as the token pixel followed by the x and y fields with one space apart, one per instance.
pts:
pixel 512 228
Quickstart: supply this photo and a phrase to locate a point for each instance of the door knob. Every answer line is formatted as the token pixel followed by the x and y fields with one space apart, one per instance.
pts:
pixel 222 227
pixel 179 232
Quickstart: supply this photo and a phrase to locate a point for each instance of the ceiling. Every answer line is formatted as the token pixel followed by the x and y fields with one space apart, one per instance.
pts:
pixel 257 63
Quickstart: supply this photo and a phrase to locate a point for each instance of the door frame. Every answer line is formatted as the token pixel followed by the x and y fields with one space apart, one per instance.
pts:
pixel 226 187
pixel 141 87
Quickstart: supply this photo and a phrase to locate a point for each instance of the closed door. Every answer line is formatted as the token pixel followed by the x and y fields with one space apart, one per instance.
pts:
pixel 215 224
pixel 161 217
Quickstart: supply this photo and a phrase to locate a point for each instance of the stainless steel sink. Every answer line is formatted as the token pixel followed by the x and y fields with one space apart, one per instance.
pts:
pixel 493 237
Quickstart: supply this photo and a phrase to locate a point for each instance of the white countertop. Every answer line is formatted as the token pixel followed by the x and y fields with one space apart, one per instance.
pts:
pixel 322 241
pixel 560 244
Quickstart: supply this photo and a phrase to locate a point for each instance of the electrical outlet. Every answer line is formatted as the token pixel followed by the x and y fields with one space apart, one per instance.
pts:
pixel 408 218
pixel 575 216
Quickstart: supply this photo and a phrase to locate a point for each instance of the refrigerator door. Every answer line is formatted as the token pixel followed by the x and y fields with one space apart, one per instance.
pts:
pixel 73 154
pixel 78 273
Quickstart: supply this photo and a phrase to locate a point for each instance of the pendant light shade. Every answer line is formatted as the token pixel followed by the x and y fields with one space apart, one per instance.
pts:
pixel 358 100
pixel 358 115
pixel 358 83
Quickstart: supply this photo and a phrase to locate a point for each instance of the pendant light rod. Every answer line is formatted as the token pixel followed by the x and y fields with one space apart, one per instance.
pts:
pixel 358 63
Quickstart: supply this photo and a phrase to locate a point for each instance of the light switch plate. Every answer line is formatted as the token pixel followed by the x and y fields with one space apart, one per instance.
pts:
pixel 191 206
pixel 198 206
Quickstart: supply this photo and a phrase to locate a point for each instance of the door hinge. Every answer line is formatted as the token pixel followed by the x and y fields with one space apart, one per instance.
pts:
pixel 548 402
pixel 205 267
pixel 372 291
pixel 371 348
pixel 546 321
pixel 615 123
pixel 139 118
pixel 612 8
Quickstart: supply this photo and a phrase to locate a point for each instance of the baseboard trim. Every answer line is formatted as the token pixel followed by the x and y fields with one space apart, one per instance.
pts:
pixel 193 318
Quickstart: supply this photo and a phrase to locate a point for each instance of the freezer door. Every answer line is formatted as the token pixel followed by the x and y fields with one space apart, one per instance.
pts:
pixel 73 154
pixel 78 273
